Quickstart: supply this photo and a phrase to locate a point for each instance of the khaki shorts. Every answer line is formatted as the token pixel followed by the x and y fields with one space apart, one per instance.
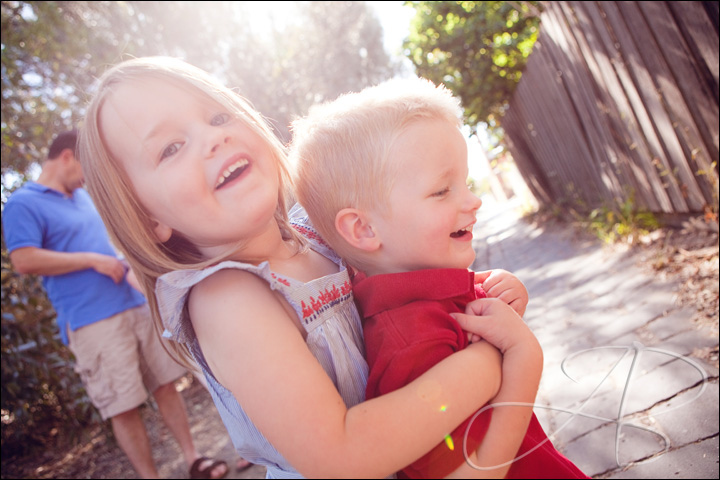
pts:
pixel 120 359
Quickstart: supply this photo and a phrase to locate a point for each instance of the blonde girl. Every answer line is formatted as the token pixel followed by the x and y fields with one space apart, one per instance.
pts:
pixel 193 187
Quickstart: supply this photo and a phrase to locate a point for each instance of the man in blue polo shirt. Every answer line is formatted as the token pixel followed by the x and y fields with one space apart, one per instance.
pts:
pixel 52 229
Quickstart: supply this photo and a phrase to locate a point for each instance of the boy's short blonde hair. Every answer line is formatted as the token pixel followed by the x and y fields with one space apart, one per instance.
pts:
pixel 128 221
pixel 341 151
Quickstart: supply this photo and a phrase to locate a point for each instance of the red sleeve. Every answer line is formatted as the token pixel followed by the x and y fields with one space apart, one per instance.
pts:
pixel 401 351
pixel 403 345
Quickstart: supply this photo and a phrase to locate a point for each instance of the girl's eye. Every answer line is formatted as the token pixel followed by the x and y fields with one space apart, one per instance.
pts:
pixel 170 150
pixel 219 119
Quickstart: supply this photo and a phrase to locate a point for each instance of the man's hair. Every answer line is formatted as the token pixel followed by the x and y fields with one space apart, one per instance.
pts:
pixel 341 151
pixel 63 141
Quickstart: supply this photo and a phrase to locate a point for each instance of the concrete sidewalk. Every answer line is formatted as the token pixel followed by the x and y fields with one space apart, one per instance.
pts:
pixel 640 403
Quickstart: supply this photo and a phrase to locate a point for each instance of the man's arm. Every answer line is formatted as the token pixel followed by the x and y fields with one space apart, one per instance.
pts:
pixel 40 261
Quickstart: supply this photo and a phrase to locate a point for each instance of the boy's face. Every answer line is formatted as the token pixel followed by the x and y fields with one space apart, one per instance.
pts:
pixel 432 212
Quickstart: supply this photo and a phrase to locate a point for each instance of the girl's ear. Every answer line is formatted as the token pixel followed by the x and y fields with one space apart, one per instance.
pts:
pixel 355 227
pixel 162 232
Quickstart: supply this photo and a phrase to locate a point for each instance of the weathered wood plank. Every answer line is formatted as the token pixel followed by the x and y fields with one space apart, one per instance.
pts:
pixel 614 100
pixel 649 71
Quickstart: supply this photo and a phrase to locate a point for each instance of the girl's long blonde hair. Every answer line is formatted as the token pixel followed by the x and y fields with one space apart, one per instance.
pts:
pixel 128 221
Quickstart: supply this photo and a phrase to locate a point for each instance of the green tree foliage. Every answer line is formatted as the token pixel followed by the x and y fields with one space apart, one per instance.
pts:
pixel 52 53
pixel 313 49
pixel 50 56
pixel 477 49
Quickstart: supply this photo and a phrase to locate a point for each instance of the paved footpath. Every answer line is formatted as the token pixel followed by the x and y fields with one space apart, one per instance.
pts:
pixel 633 354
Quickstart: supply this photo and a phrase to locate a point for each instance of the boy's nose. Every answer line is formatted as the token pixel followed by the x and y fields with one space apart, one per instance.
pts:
pixel 474 202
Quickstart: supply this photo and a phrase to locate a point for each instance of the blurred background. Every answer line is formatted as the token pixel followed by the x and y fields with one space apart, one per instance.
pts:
pixel 614 124
pixel 283 56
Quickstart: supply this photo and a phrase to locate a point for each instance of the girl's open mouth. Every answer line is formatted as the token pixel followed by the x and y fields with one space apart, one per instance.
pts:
pixel 232 172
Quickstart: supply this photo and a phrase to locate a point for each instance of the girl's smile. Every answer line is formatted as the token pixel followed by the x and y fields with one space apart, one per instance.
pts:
pixel 198 169
pixel 238 165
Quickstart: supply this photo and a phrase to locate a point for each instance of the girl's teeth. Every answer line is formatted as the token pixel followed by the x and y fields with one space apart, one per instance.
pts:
pixel 230 170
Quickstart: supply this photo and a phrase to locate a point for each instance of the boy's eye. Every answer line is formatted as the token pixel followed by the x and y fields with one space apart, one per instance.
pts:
pixel 170 150
pixel 441 192
pixel 219 119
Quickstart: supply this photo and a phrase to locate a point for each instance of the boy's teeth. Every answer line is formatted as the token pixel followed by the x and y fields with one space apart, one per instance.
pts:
pixel 460 232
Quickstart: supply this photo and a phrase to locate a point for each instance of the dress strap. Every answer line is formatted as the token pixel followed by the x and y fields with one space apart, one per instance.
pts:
pixel 172 290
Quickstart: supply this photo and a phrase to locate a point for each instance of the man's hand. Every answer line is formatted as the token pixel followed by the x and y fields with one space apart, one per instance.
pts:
pixel 133 280
pixel 107 265
pixel 505 286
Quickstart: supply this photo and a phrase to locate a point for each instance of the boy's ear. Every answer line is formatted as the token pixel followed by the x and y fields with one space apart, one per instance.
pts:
pixel 162 232
pixel 354 226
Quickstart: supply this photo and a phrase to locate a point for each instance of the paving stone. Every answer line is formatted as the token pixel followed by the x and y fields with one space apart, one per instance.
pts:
pixel 585 296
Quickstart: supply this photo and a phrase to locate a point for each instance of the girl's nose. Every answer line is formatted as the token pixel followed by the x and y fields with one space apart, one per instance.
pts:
pixel 217 143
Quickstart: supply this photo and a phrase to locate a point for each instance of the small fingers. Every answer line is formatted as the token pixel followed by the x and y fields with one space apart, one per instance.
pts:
pixel 481 277
pixel 472 338
pixel 519 305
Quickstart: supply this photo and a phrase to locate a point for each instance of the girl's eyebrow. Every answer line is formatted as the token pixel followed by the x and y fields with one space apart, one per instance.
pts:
pixel 154 131
pixel 162 126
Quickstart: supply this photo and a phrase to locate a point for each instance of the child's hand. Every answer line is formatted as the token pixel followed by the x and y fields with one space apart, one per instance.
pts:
pixel 494 321
pixel 500 325
pixel 505 286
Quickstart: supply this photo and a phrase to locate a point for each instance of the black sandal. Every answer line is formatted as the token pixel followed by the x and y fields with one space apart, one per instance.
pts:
pixel 206 473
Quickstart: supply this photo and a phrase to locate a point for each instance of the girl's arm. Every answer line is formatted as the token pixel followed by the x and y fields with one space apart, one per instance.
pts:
pixel 496 322
pixel 262 357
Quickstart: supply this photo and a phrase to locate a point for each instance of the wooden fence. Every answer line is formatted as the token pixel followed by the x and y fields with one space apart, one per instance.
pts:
pixel 618 102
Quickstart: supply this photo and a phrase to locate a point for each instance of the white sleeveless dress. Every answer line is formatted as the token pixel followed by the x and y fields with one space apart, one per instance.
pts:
pixel 334 336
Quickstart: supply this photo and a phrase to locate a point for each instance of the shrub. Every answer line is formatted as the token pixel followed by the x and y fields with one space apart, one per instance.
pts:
pixel 43 399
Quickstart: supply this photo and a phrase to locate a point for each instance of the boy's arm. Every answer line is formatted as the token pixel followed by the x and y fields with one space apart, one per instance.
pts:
pixel 521 372
pixel 505 286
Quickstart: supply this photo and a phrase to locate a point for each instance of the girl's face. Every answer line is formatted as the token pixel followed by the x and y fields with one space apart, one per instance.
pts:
pixel 196 168
pixel 432 211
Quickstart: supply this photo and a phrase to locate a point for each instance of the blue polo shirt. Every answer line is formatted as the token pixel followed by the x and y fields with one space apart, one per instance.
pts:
pixel 38 216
